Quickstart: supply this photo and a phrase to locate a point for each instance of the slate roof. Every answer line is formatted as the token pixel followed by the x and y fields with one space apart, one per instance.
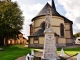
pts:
pixel 44 10
pixel 67 20
pixel 40 32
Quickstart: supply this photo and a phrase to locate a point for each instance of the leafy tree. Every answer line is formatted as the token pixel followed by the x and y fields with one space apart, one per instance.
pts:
pixel 77 35
pixel 11 19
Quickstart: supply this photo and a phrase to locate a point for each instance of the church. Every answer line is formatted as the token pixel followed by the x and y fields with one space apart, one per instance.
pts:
pixel 60 24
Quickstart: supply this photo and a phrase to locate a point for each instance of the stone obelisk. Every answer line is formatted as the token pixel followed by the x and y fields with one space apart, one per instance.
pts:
pixel 50 51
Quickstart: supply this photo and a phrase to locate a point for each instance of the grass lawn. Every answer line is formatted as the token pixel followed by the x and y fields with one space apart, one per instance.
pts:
pixel 13 51
pixel 70 51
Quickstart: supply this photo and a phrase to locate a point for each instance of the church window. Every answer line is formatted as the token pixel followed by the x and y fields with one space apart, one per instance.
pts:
pixel 43 26
pixel 62 30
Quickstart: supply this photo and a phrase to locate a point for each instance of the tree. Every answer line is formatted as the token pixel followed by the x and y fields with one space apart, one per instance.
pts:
pixel 11 19
pixel 77 35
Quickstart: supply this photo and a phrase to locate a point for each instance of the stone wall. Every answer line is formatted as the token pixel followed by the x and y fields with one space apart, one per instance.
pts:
pixel 36 45
pixel 41 45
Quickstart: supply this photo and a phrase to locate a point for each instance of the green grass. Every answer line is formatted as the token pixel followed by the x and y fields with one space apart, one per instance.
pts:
pixel 13 51
pixel 70 51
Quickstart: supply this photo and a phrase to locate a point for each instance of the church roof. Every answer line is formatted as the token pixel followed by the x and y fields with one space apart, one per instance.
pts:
pixel 44 10
pixel 67 20
pixel 40 32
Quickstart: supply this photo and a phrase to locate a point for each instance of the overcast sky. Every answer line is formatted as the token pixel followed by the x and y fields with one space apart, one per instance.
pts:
pixel 67 8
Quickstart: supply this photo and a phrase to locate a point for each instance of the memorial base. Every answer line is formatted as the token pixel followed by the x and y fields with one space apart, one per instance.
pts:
pixel 50 59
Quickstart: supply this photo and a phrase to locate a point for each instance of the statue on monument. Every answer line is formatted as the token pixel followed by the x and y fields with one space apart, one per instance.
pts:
pixel 50 50
pixel 48 18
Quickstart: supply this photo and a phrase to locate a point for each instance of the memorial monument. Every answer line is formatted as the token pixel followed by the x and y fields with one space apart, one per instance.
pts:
pixel 50 52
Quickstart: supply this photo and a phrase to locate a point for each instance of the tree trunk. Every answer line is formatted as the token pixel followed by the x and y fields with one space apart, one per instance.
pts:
pixel 6 40
pixel 1 40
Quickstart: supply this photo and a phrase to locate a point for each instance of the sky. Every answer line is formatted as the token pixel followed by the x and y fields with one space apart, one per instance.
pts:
pixel 67 8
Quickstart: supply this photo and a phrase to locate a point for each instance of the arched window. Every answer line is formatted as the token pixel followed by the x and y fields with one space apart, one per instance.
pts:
pixel 62 30
pixel 43 25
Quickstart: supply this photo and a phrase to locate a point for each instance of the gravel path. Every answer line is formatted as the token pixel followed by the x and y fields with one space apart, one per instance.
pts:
pixel 39 54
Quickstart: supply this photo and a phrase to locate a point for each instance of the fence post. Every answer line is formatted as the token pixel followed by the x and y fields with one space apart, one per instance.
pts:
pixel 32 54
pixel 62 52
pixel 78 56
pixel 28 57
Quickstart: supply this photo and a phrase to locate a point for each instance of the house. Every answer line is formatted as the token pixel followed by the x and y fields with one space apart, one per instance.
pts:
pixel 19 40
pixel 60 24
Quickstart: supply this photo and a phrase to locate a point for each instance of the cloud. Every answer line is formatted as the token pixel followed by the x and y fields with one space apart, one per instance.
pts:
pixel 72 8
pixel 36 7
pixel 77 20
pixel 29 11
pixel 76 28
